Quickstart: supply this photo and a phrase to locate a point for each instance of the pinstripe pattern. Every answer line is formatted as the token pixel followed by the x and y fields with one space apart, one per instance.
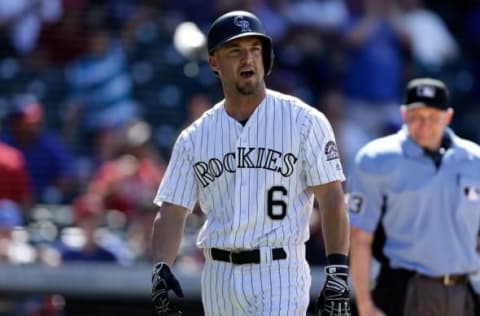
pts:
pixel 251 181
pixel 271 288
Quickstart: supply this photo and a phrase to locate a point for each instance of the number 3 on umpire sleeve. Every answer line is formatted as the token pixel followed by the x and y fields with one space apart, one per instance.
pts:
pixel 355 203
pixel 276 208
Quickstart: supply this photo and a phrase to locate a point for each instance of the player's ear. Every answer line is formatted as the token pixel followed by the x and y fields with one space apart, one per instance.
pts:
pixel 213 63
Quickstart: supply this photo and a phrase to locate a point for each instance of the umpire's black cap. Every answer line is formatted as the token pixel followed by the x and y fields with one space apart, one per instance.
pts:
pixel 426 92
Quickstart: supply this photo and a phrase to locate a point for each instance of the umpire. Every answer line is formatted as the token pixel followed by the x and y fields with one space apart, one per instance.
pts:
pixel 415 197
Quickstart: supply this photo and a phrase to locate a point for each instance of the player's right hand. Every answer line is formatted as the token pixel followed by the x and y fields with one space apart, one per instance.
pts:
pixel 163 280
pixel 334 299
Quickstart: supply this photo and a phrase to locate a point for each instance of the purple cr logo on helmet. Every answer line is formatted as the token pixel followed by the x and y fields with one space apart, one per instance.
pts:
pixel 236 24
pixel 242 23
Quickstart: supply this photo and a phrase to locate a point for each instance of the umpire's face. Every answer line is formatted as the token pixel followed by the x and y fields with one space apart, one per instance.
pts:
pixel 426 125
pixel 239 64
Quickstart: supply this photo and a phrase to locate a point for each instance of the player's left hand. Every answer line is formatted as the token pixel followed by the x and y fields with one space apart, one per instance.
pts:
pixel 334 299
pixel 163 280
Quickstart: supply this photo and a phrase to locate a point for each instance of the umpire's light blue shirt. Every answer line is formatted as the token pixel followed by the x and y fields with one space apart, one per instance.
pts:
pixel 432 215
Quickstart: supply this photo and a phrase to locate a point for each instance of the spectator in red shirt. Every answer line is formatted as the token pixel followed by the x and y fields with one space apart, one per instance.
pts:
pixel 129 182
pixel 14 180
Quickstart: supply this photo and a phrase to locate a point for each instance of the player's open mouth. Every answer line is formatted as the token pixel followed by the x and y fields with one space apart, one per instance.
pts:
pixel 247 74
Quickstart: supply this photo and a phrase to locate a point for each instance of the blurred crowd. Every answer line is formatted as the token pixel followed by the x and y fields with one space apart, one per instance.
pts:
pixel 94 93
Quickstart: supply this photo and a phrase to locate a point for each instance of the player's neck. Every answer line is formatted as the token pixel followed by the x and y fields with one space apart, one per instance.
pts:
pixel 241 107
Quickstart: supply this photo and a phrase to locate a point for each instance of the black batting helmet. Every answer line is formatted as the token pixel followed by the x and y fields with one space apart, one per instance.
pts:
pixel 237 24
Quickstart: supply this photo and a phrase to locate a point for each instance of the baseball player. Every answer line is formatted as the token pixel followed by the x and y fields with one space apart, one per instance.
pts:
pixel 254 162
pixel 420 188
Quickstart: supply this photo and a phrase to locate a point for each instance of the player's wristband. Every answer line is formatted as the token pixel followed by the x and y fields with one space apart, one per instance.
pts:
pixel 337 259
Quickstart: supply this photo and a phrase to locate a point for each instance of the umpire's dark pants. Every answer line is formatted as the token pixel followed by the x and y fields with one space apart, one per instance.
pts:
pixel 399 293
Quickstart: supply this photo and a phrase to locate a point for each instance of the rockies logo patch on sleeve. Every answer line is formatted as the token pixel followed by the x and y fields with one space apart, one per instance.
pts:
pixel 331 150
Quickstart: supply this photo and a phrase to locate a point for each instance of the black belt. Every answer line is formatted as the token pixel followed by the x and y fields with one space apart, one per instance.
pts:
pixel 245 256
pixel 447 279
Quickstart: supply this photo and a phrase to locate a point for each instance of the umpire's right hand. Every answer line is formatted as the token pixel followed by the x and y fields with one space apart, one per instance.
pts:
pixel 163 280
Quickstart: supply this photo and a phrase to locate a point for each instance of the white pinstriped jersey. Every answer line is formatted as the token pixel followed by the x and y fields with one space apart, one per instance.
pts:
pixel 251 181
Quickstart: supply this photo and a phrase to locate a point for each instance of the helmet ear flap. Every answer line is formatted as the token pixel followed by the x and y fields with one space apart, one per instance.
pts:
pixel 268 55
pixel 236 24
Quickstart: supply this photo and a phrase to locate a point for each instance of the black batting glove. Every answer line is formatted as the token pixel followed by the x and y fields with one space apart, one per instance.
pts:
pixel 163 280
pixel 334 299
